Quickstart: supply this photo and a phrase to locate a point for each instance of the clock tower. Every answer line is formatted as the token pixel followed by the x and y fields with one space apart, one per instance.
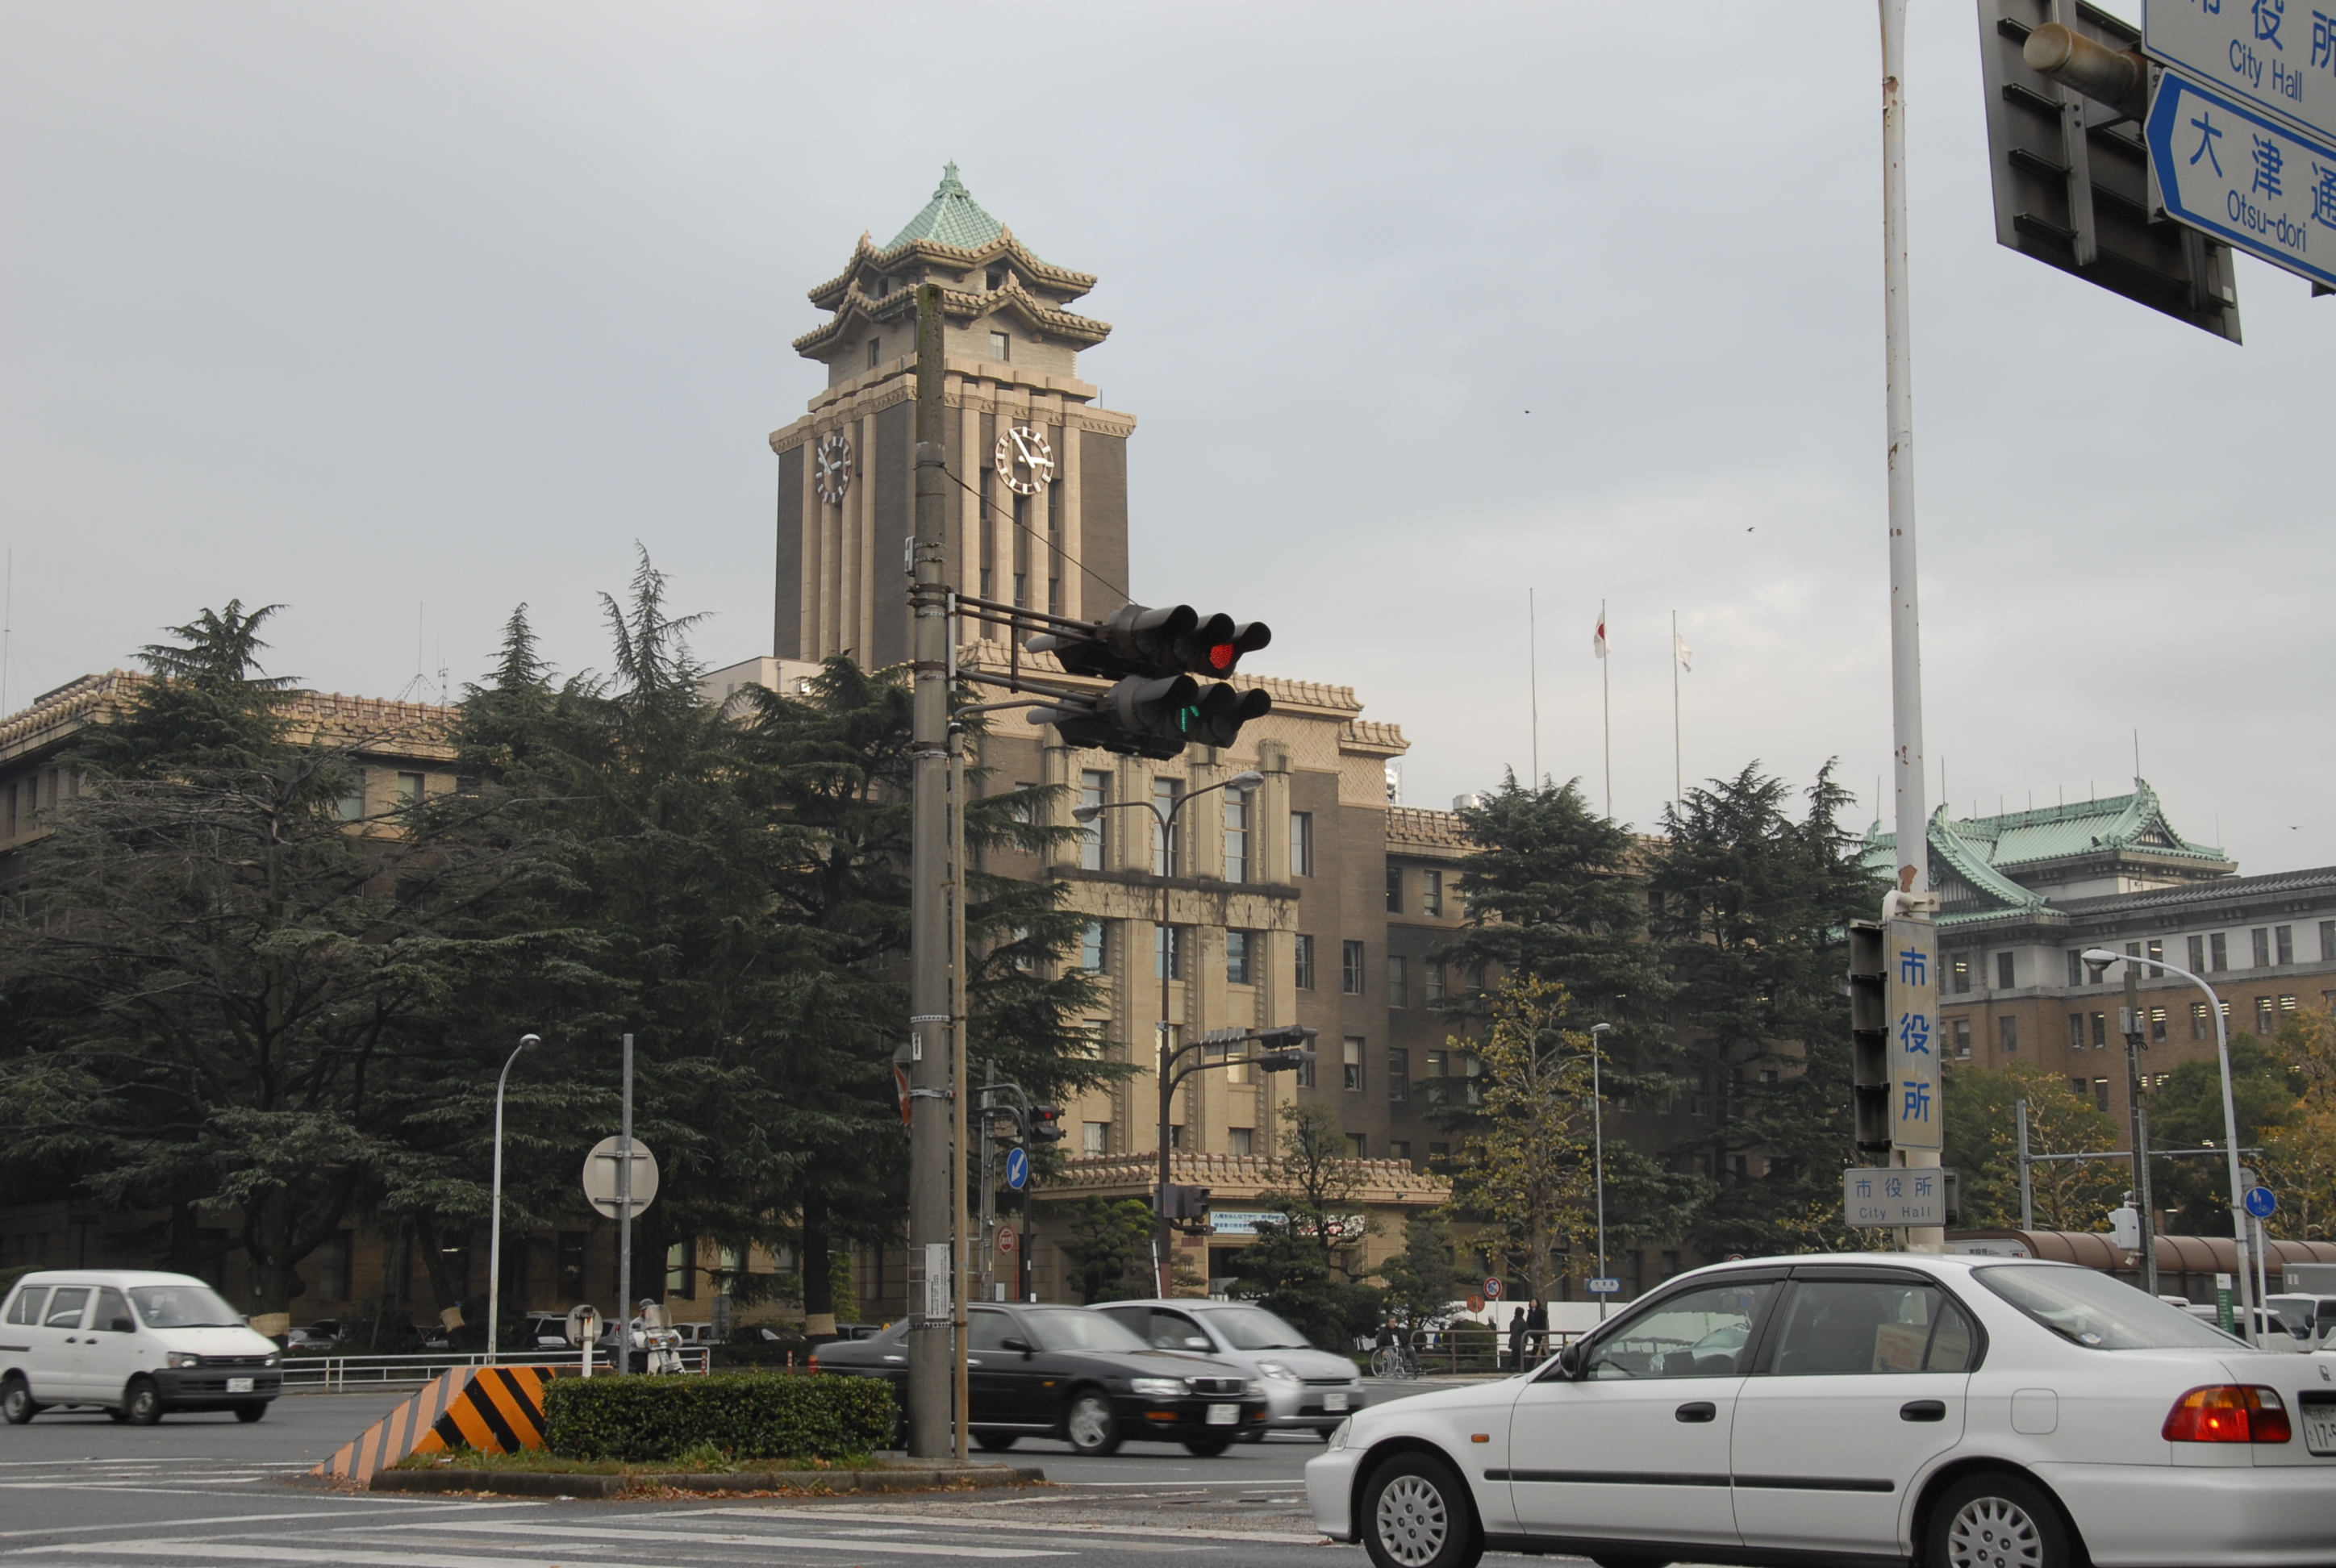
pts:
pixel 1038 501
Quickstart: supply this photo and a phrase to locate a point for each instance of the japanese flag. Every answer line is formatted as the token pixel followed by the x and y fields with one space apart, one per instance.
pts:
pixel 1598 641
pixel 1686 654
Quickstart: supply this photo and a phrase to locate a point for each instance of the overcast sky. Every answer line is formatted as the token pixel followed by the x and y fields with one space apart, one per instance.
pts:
pixel 412 314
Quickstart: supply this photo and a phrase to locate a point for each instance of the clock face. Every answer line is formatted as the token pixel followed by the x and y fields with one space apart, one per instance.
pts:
pixel 1024 461
pixel 831 466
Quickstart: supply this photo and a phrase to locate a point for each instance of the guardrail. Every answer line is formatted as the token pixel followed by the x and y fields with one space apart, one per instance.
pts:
pixel 332 1374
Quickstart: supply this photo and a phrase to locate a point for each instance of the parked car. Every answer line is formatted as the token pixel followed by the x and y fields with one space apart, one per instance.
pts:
pixel 2273 1331
pixel 1306 1389
pixel 131 1343
pixel 315 1336
pixel 2311 1320
pixel 1072 1373
pixel 1947 1409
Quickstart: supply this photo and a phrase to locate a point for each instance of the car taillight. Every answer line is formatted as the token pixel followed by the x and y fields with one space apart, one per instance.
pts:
pixel 2228 1413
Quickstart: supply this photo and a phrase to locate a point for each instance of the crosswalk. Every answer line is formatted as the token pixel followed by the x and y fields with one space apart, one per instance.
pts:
pixel 187 1474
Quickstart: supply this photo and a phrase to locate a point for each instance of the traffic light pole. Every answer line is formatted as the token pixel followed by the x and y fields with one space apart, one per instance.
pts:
pixel 930 1350
pixel 2139 1119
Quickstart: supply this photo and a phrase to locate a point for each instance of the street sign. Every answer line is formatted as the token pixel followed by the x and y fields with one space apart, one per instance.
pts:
pixel 2278 60
pixel 1911 952
pixel 1893 1197
pixel 1006 1242
pixel 583 1325
pixel 1476 1304
pixel 2261 1203
pixel 2244 178
pixel 600 1176
pixel 1018 1168
pixel 1605 1287
pixel 1493 1290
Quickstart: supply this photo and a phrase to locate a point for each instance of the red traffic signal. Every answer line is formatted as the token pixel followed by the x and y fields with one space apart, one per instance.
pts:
pixel 1215 646
pixel 1045 1124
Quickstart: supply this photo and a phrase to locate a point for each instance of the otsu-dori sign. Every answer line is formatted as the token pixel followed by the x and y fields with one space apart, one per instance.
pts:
pixel 2244 178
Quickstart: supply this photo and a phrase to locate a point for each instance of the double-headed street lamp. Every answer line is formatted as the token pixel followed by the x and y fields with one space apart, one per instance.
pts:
pixel 1164 946
pixel 2100 958
pixel 495 1225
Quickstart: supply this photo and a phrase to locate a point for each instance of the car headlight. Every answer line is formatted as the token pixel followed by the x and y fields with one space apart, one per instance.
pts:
pixel 1158 1388
pixel 183 1358
pixel 1339 1432
pixel 273 1359
pixel 1278 1372
pixel 1253 1389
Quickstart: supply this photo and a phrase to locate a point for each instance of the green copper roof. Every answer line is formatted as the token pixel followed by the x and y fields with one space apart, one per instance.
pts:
pixel 951 217
pixel 2128 822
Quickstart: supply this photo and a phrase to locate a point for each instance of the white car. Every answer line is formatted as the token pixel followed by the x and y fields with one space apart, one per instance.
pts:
pixel 1306 1389
pixel 131 1343
pixel 1961 1412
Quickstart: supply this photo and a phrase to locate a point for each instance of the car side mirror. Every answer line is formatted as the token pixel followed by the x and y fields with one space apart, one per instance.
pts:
pixel 1570 1360
pixel 122 1326
pixel 1012 1343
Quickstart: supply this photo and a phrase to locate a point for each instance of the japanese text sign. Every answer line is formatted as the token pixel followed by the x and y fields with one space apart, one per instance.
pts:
pixel 2244 178
pixel 2278 55
pixel 1911 994
pixel 1893 1197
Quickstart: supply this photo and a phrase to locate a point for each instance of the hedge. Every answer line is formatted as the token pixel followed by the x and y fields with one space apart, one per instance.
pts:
pixel 746 1415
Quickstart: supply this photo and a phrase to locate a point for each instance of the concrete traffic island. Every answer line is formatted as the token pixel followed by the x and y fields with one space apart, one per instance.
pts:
pixel 892 1475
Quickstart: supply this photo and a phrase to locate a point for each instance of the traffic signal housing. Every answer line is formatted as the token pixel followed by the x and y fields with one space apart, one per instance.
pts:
pixel 1155 708
pixel 1045 1124
pixel 1283 1049
pixel 1188 1208
pixel 1869 1034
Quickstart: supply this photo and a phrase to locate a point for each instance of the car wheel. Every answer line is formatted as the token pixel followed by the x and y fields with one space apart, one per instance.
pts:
pixel 1207 1448
pixel 249 1413
pixel 143 1407
pixel 997 1442
pixel 17 1405
pixel 116 1413
pixel 1417 1514
pixel 1090 1425
pixel 1996 1520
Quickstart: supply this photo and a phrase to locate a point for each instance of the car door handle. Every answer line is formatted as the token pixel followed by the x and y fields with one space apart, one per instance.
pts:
pixel 1922 1410
pixel 1701 1410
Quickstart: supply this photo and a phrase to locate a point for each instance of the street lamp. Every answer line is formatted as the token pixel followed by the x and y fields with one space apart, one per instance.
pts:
pixel 1598 1143
pixel 1165 943
pixel 2100 958
pixel 495 1225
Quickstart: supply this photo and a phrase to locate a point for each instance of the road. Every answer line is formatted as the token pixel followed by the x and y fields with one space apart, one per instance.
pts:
pixel 81 1491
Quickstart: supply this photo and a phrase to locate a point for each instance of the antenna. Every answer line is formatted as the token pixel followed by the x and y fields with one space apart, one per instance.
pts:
pixel 7 627
pixel 2137 756
pixel 1532 681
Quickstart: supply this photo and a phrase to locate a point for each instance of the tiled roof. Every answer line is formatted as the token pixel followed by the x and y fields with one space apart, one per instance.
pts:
pixel 403 728
pixel 1416 825
pixel 1235 1176
pixel 951 217
pixel 2270 883
pixel 2126 821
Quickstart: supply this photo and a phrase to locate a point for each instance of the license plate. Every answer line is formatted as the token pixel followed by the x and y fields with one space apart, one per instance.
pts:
pixel 238 1385
pixel 1224 1415
pixel 2319 1428
pixel 1337 1401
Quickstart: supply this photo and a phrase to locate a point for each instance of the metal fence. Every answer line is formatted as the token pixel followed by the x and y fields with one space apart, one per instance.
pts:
pixel 332 1374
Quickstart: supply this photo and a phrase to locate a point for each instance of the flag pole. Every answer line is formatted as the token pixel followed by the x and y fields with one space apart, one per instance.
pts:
pixel 1678 772
pixel 1532 681
pixel 1606 694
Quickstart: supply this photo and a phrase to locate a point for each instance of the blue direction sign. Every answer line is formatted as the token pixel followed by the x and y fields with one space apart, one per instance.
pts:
pixel 1017 1168
pixel 2261 1203
pixel 2244 178
pixel 2277 56
pixel 1605 1287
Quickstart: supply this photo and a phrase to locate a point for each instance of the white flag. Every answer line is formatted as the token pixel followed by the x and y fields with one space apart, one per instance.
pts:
pixel 1598 642
pixel 1686 654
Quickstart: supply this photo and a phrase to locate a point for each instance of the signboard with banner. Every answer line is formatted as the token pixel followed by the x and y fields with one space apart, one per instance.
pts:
pixel 1911 994
pixel 1893 1197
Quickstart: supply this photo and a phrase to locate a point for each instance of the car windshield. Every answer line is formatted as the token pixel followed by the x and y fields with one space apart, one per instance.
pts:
pixel 1254 1328
pixel 1076 1329
pixel 182 1307
pixel 2098 1311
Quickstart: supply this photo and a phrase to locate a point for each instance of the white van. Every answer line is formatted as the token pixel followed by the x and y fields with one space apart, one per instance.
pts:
pixel 131 1343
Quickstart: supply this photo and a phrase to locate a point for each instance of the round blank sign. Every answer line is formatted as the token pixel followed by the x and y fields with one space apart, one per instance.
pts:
pixel 600 1176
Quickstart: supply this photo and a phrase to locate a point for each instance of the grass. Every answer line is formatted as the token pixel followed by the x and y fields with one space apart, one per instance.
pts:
pixel 705 1460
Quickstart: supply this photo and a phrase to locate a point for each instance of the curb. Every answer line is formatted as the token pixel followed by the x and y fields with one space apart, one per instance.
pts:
pixel 555 1483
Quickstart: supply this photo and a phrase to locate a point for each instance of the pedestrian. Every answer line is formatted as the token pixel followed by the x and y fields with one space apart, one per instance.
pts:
pixel 1517 1338
pixel 1537 1327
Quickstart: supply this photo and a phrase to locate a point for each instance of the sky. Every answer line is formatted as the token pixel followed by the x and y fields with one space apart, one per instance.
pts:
pixel 402 317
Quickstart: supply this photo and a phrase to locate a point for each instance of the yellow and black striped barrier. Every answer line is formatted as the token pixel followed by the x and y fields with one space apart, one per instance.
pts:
pixel 491 1409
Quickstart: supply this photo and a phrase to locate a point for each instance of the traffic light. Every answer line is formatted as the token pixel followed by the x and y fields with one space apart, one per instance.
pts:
pixel 1214 645
pixel 1869 1034
pixel 1045 1124
pixel 1155 708
pixel 1282 1049
pixel 1188 1207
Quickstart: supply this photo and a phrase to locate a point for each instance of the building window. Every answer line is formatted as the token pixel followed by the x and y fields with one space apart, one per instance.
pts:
pixel 2005 971
pixel 1432 981
pixel 1304 1075
pixel 1238 947
pixel 1398 1073
pixel 1168 952
pixel 2101 1094
pixel 2076 1031
pixel 2282 938
pixel 1394 890
pixel 2197 955
pixel 1962 1028
pixel 2199 1030
pixel 409 789
pixel 2155 948
pixel 2076 1087
pixel 1166 833
pixel 1237 820
pixel 350 807
pixel 1350 968
pixel 1360 1144
pixel 1438 1155
pixel 1094 1138
pixel 680 1271
pixel 2328 941
pixel 1303 947
pixel 1351 1061
pixel 1001 346
pixel 1399 1149
pixel 2158 1025
pixel 2007 1033
pixel 875 349
pixel 1960 968
pixel 1302 843
pixel 2100 1030
pixel 1095 790
pixel 1434 1060
pixel 2263 1021
pixel 2261 937
pixel 1431 892
pixel 1093 957
pixel 2075 968
pixel 2218 956
pixel 1398 981
pixel 1175 1134
pixel 1241 1140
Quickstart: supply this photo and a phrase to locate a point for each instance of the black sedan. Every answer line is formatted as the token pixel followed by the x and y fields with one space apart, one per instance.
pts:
pixel 1069 1373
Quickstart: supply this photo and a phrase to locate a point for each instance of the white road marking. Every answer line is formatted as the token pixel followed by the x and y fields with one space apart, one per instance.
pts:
pixel 1017 1526
pixel 646 1534
pixel 317 1556
pixel 343 1512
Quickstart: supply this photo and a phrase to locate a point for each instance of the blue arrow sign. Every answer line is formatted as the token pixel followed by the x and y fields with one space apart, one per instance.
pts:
pixel 1017 1168
pixel 2245 179
pixel 2261 1203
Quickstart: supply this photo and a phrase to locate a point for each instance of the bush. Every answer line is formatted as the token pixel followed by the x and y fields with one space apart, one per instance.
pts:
pixel 763 1352
pixel 744 1414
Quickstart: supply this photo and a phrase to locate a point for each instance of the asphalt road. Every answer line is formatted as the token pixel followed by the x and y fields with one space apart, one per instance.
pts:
pixel 82 1490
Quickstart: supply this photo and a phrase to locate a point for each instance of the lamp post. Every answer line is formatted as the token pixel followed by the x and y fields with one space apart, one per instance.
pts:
pixel 495 1225
pixel 1597 1146
pixel 1165 945
pixel 2100 958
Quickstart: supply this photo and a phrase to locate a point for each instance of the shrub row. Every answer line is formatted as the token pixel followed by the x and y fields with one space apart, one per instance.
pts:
pixel 746 1415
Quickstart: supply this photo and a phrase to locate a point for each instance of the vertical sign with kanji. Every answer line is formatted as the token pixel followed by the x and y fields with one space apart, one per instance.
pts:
pixel 1912 998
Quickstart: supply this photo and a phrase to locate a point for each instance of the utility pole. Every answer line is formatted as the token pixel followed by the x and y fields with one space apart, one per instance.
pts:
pixel 625 1220
pixel 931 1361
pixel 2138 1118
